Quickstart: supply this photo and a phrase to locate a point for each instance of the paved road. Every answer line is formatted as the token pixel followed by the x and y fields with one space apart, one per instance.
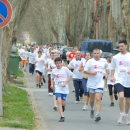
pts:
pixel 76 119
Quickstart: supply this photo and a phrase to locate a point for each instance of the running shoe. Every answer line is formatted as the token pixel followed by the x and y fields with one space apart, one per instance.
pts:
pixel 112 104
pixel 55 108
pixel 126 120
pixel 73 90
pixel 85 107
pixel 44 80
pixel 62 119
pixel 39 85
pixel 92 113
pixel 120 120
pixel 76 102
pixel 116 97
pixel 97 118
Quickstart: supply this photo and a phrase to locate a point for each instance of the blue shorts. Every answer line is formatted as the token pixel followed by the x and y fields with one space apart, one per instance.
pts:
pixel 62 96
pixel 121 88
pixel 98 90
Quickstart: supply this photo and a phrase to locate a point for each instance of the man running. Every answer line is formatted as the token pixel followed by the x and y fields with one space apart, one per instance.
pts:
pixel 120 74
pixel 60 78
pixel 95 67
pixel 77 75
pixel 31 56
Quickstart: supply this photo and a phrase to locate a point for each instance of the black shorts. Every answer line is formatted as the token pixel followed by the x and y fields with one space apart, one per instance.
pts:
pixel 40 73
pixel 121 88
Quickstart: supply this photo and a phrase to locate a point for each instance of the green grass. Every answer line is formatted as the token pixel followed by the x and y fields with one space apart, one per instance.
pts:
pixel 17 110
pixel 21 82
pixel 20 74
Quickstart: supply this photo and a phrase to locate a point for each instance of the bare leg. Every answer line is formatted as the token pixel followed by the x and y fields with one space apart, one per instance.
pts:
pixel 98 101
pixel 127 105
pixel 121 103
pixel 92 99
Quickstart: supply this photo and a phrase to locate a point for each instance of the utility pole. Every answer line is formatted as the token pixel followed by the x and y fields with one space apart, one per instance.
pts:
pixel 1 84
pixel 75 24
pixel 103 28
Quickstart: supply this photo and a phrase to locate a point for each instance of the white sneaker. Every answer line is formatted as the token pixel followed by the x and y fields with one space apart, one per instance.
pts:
pixel 76 102
pixel 120 120
pixel 126 120
pixel 49 94
pixel 105 89
pixel 85 107
pixel 73 90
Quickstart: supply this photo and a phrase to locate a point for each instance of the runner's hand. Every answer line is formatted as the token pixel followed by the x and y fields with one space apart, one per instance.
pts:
pixel 112 79
pixel 128 72
pixel 64 84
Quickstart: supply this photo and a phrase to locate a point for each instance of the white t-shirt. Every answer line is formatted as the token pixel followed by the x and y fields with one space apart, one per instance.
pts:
pixel 96 81
pixel 32 57
pixel 76 65
pixel 60 76
pixel 67 53
pixel 23 54
pixel 40 64
pixel 19 51
pixel 49 62
pixel 109 75
pixel 121 64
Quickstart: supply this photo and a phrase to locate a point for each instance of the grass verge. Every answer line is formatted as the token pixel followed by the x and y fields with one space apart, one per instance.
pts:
pixel 20 74
pixel 21 82
pixel 17 110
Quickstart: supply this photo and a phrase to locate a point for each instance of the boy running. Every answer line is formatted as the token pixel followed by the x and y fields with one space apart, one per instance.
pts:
pixel 60 78
pixel 39 63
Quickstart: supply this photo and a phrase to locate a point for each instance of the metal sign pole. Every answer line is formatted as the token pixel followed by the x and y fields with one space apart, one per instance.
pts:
pixel 1 84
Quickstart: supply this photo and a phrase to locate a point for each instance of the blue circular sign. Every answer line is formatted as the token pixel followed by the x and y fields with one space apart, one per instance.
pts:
pixel 3 12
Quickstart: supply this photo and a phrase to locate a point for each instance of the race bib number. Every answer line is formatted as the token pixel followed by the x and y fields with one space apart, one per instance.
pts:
pixel 122 71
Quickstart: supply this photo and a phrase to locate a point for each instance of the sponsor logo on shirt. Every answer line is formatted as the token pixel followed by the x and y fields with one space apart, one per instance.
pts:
pixel 60 76
pixel 76 65
pixel 98 67
pixel 124 63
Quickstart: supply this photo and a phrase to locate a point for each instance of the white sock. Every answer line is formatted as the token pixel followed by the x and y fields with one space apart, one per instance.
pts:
pixel 97 113
pixel 122 113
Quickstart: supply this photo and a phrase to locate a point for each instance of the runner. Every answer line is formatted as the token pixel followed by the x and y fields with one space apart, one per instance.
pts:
pixel 84 83
pixel 48 64
pixel 23 54
pixel 109 83
pixel 95 68
pixel 53 66
pixel 39 63
pixel 60 78
pixel 77 75
pixel 31 56
pixel 120 74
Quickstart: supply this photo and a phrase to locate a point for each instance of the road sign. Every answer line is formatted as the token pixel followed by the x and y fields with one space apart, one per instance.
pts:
pixel 5 13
